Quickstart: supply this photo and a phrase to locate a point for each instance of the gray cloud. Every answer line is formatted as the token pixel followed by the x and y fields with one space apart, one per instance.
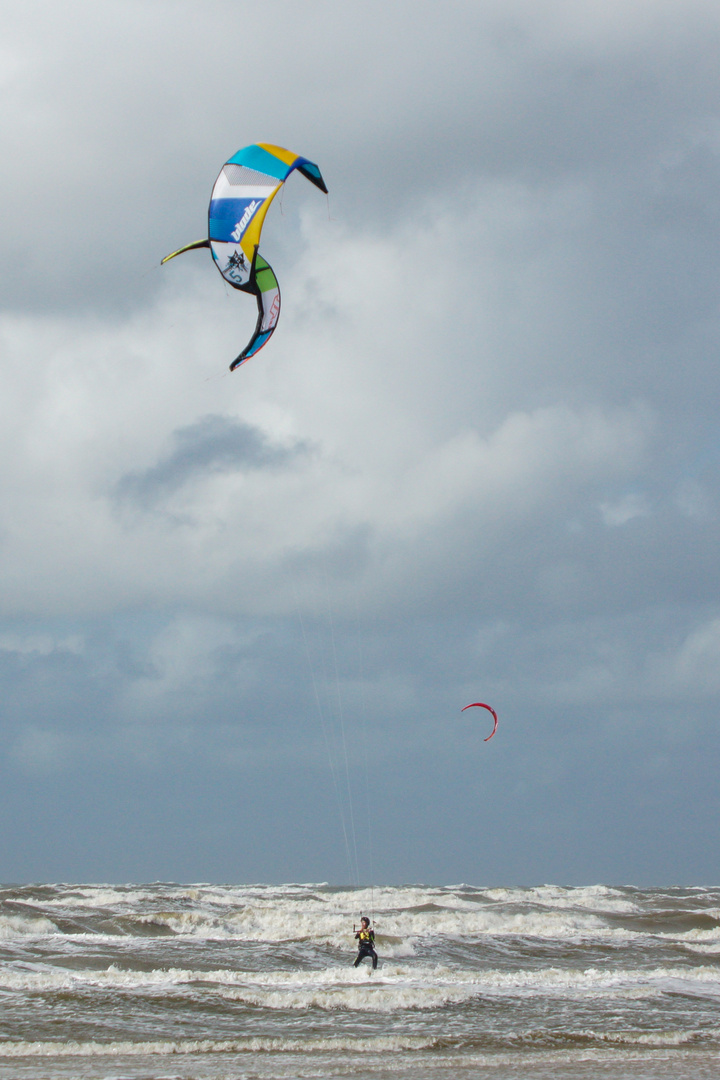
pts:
pixel 495 91
pixel 213 444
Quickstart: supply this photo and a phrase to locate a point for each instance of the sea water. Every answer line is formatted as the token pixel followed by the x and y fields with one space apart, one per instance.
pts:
pixel 239 982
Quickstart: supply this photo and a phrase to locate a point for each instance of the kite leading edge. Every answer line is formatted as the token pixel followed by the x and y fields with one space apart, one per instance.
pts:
pixel 247 184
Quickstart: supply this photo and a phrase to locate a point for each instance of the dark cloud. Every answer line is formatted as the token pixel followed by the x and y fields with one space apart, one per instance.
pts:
pixel 213 444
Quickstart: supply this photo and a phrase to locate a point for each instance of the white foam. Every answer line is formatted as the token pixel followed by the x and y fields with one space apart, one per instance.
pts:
pixel 598 898
pixel 392 988
pixel 638 1038
pixel 692 936
pixel 18 926
pixel 94 897
pixel 327 921
pixel 404 917
pixel 310 1044
pixel 705 950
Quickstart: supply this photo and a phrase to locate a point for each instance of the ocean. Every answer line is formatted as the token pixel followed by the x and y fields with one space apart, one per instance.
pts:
pixel 256 982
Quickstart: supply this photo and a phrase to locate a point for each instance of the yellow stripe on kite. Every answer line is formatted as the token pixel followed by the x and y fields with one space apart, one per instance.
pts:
pixel 280 152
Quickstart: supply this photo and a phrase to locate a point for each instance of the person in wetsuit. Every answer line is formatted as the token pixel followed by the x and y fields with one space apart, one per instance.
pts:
pixel 366 942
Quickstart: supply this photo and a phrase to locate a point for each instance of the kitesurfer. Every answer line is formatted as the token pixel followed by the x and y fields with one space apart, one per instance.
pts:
pixel 366 942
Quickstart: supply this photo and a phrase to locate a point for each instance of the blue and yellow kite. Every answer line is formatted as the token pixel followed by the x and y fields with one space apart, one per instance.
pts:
pixel 240 199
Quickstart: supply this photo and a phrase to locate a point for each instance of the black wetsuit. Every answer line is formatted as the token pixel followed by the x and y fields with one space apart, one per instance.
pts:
pixel 366 947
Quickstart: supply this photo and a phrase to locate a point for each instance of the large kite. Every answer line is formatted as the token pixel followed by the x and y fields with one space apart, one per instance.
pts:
pixel 247 184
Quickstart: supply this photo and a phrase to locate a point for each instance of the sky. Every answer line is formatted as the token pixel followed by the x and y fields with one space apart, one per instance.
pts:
pixel 240 614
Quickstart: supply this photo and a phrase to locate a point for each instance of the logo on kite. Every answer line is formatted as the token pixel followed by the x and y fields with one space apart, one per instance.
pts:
pixel 237 268
pixel 240 227
pixel 247 184
pixel 482 705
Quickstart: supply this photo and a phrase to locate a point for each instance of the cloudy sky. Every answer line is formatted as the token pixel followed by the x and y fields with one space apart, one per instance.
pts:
pixel 479 460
